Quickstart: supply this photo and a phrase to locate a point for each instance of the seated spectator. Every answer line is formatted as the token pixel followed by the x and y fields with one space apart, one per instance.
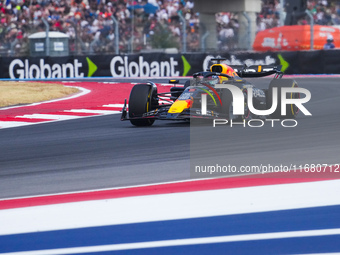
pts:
pixel 329 44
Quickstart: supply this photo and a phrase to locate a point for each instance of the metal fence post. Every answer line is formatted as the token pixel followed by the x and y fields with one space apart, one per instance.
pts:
pixel 311 29
pixel 204 37
pixel 130 46
pixel 47 41
pixel 184 33
pixel 248 30
pixel 12 47
pixel 282 6
pixel 115 21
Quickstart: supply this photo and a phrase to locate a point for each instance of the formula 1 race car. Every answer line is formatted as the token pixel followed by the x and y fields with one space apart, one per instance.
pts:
pixel 205 96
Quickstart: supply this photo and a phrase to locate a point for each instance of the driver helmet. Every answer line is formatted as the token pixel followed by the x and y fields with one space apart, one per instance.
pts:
pixel 223 68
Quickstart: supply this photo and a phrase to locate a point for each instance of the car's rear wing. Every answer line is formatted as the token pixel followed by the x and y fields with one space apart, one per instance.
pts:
pixel 257 70
pixel 247 71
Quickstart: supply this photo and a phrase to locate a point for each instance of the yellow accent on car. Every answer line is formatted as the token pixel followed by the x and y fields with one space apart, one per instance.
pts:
pixel 222 78
pixel 148 103
pixel 259 69
pixel 178 106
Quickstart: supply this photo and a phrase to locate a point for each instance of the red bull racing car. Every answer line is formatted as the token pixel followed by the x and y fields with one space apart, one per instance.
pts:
pixel 203 97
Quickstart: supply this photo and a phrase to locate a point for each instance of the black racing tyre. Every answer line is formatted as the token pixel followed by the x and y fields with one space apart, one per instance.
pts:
pixel 227 106
pixel 291 110
pixel 227 102
pixel 247 114
pixel 142 100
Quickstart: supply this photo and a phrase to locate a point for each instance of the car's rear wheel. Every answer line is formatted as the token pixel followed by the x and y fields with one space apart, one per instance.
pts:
pixel 142 100
pixel 227 103
pixel 291 109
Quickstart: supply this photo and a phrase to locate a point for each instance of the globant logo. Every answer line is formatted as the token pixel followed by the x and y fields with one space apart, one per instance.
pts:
pixel 23 69
pixel 123 67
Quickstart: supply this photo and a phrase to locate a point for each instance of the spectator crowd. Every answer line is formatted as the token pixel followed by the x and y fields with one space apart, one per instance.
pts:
pixel 324 12
pixel 143 24
pixel 90 24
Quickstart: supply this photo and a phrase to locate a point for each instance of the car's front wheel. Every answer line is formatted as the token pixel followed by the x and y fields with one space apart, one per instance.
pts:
pixel 142 100
pixel 227 106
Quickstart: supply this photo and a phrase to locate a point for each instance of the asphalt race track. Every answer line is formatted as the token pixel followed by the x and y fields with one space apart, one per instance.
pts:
pixel 103 152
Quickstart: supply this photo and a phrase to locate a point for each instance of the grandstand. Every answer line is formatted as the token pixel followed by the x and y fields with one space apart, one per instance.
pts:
pixel 143 25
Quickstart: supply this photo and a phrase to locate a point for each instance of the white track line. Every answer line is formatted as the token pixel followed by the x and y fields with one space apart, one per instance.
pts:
pixel 180 242
pixel 94 111
pixel 331 253
pixel 8 124
pixel 49 116
pixel 114 105
pixel 194 204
